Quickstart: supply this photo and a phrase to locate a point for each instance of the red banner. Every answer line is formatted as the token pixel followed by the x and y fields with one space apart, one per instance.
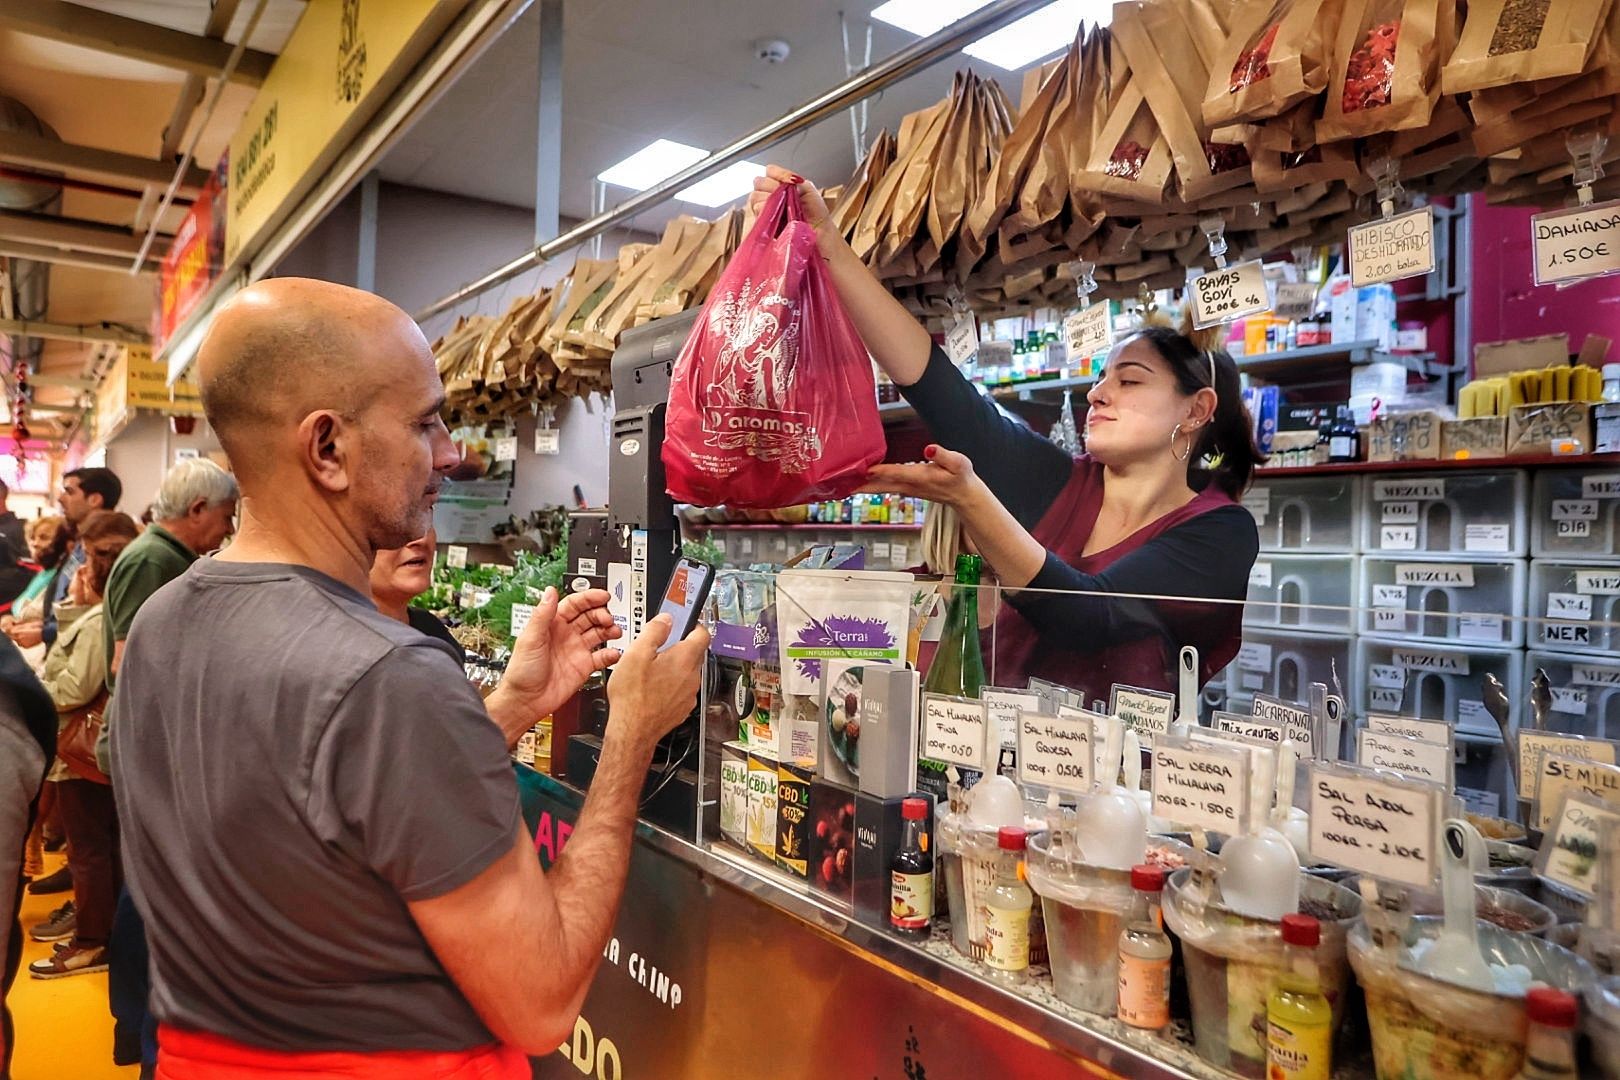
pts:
pixel 193 260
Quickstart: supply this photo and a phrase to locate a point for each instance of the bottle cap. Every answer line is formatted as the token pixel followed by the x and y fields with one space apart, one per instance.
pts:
pixel 914 809
pixel 1551 1007
pixel 1147 878
pixel 1011 838
pixel 1611 371
pixel 1301 930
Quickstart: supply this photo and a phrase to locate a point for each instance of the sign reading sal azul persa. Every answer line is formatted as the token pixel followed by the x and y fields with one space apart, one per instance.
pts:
pixel 342 61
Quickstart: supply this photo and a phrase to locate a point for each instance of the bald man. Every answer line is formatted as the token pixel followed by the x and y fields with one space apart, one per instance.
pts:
pixel 323 829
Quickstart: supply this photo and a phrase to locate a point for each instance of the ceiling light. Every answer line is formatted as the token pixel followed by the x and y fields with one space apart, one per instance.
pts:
pixel 726 186
pixel 1034 37
pixel 652 164
pixel 924 17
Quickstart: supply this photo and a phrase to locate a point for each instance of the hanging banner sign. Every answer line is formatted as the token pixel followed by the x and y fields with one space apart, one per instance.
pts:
pixel 194 259
pixel 1221 296
pixel 1571 245
pixel 1391 249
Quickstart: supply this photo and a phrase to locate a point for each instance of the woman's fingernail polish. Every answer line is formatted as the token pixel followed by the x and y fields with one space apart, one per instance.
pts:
pixel 797 179
pixel 930 451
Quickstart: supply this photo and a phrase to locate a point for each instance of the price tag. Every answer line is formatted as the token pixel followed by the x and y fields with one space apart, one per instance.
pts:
pixel 1055 751
pixel 1387 676
pixel 1379 825
pixel 1247 727
pixel 1569 700
pixel 899 554
pixel 1597 582
pixel 1483 803
pixel 506 448
pixel 1389 596
pixel 1257 501
pixel 1489 538
pixel 1434 731
pixel 1146 712
pixel 1561 775
pixel 1569 245
pixel 1563 605
pixel 1002 708
pixel 1574 837
pixel 1456 576
pixel 1201 786
pixel 1254 682
pixel 1398 538
pixel 1391 249
pixel 1221 296
pixel 953 731
pixel 1088 332
pixel 1534 744
pixel 1260 576
pixel 1399 513
pixel 1606 486
pixel 548 441
pixel 1483 628
pixel 1574 510
pixel 1294 300
pixel 1295 720
pixel 455 557
pixel 1254 656
pixel 1409 757
pixel 521 613
pixel 1471 712
pixel 962 339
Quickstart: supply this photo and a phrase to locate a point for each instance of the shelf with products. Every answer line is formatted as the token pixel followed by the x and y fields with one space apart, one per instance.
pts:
pixel 1354 467
pixel 806 526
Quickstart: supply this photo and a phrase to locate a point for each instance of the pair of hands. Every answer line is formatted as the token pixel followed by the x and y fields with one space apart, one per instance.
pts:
pixel 24 634
pixel 567 640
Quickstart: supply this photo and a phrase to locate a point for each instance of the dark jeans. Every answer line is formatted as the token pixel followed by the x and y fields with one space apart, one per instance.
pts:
pixel 91 823
pixel 129 983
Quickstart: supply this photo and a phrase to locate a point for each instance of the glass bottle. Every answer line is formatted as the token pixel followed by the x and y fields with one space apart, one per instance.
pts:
pixel 1344 441
pixel 911 875
pixel 1549 1053
pixel 1144 955
pixel 958 667
pixel 1007 911
pixel 1299 1020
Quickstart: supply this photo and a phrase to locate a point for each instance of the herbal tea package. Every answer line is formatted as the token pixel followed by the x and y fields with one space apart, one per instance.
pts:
pixel 1510 41
pixel 826 615
pixel 1386 66
pixel 1275 56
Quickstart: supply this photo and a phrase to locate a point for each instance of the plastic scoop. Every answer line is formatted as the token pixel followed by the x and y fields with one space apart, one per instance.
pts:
pixel 994 802
pixel 1289 819
pixel 1187 698
pixel 1112 830
pixel 1260 875
pixel 1456 958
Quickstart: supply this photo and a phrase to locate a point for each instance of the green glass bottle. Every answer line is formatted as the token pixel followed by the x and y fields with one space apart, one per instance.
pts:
pixel 958 667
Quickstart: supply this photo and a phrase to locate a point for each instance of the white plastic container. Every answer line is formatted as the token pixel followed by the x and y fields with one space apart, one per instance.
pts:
pixel 1577 514
pixel 1317 515
pixel 1444 601
pixel 1480 515
pixel 1284 663
pixel 1436 682
pixel 1306 592
pixel 1585 689
pixel 1574 607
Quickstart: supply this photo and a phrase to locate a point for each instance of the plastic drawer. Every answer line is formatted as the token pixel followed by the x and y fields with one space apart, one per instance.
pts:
pixel 1305 592
pixel 1586 692
pixel 1575 608
pixel 1436 682
pixel 1462 602
pixel 1576 514
pixel 1284 664
pixel 1315 514
pixel 1474 515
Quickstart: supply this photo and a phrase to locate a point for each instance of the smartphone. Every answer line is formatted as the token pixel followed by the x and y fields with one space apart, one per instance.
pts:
pixel 688 591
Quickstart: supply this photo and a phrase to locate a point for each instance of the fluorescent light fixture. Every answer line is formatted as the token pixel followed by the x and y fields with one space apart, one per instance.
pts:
pixel 652 165
pixel 726 186
pixel 924 17
pixel 1034 37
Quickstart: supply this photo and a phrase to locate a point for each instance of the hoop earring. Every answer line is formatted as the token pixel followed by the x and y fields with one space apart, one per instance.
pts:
pixel 1175 434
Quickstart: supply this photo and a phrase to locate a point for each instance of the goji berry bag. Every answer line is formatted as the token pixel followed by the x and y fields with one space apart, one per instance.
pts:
pixel 772 400
pixel 1275 56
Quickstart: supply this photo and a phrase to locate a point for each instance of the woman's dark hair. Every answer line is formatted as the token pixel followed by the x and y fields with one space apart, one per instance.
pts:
pixel 107 525
pixel 1224 452
pixel 61 544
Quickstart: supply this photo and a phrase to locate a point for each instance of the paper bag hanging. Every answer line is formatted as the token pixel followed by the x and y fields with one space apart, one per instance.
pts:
pixel 1510 41
pixel 1130 158
pixel 1386 66
pixel 1275 57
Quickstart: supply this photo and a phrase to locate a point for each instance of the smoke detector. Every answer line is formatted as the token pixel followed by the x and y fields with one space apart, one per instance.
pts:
pixel 772 50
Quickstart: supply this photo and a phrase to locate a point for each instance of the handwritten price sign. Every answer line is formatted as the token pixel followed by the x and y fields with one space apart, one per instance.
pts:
pixel 1221 296
pixel 1377 825
pixel 1389 250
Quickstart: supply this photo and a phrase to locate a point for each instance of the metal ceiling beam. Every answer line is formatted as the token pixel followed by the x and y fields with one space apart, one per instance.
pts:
pixel 87 260
pixel 76 234
pixel 38 152
pixel 132 38
pixel 118 335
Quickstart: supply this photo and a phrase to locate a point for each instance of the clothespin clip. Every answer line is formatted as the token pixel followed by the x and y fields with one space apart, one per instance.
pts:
pixel 1084 282
pixel 1214 228
pixel 1386 172
pixel 1586 149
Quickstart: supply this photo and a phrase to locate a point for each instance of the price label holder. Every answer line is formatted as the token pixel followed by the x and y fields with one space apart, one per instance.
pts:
pixel 1003 706
pixel 1533 744
pixel 1052 693
pixel 455 557
pixel 1434 762
pixel 1570 852
pixel 962 336
pixel 1296 721
pixel 1146 712
pixel 521 614
pixel 1294 300
pixel 1199 786
pixel 1248 727
pixel 1434 731
pixel 506 448
pixel 1263 763
pixel 1107 738
pixel 1380 825
pixel 1396 246
pixel 1226 293
pixel 1088 331
pixel 1056 752
pixel 547 441
pixel 1560 775
pixel 954 731
pixel 1582 243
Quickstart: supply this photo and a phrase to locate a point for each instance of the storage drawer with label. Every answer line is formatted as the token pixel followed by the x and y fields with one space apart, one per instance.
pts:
pixel 1436 682
pixel 1444 601
pixel 1475 515
pixel 1284 663
pixel 1315 514
pixel 1311 592
pixel 1577 514
pixel 1585 692
pixel 1574 608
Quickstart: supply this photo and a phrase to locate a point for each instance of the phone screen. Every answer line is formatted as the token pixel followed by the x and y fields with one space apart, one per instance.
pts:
pixel 683 600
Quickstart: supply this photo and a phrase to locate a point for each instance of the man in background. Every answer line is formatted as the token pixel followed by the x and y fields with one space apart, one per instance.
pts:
pixel 11 526
pixel 83 491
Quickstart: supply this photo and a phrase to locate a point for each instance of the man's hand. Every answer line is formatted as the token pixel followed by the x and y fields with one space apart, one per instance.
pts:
pixel 27 634
pixel 562 645
pixel 651 692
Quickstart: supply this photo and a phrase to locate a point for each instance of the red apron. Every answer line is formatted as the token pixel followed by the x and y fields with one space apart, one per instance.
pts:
pixel 1022 651
pixel 194 1055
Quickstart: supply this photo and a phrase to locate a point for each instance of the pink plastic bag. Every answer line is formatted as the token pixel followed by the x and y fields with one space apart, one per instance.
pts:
pixel 771 402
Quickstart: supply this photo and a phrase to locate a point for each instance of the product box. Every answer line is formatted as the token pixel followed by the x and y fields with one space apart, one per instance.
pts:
pixel 843 731
pixel 1607 420
pixel 1482 437
pixel 1344 315
pixel 879 831
pixel 1413 436
pixel 832 840
pixel 734 793
pixel 793 817
pixel 1305 417
pixel 1263 403
pixel 1375 315
pixel 762 784
pixel 889 703
pixel 1539 430
pixel 1522 354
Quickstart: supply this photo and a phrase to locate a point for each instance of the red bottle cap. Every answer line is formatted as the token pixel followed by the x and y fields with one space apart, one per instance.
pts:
pixel 1012 838
pixel 914 810
pixel 1301 930
pixel 1551 1007
pixel 1147 878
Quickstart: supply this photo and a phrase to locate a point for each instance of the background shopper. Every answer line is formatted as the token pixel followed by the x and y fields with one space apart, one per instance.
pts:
pixel 399 576
pixel 83 491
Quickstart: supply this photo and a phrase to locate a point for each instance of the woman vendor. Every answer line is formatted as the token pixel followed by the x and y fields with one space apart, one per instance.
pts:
pixel 1150 510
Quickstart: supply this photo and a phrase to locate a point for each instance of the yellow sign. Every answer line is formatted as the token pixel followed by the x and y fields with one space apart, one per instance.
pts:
pixel 112 402
pixel 136 381
pixel 341 62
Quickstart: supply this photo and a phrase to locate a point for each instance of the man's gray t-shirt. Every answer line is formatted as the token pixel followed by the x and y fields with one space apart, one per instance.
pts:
pixel 291 767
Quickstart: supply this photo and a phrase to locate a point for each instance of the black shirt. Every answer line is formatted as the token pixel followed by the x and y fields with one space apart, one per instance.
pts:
pixel 433 626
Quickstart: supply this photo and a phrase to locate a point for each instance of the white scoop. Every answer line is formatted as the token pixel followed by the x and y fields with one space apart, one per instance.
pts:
pixel 1260 875
pixel 1456 958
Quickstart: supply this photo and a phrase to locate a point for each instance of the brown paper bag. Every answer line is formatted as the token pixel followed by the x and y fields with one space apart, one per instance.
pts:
pixel 1040 198
pixel 1275 173
pixel 1293 201
pixel 862 185
pixel 1386 67
pixel 874 223
pixel 1275 56
pixel 1509 41
pixel 1514 131
pixel 1130 158
pixel 910 206
pixel 586 286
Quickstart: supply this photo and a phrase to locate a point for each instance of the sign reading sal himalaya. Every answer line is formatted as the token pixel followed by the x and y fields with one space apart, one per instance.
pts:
pixel 342 61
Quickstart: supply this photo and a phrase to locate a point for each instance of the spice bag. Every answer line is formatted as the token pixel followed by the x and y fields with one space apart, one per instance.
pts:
pixel 1510 41
pixel 1386 66
pixel 771 401
pixel 1130 159
pixel 1275 57
pixel 1278 172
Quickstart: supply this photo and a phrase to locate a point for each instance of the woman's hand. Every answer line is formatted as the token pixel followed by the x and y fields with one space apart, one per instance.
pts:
pixel 946 477
pixel 810 201
pixel 81 591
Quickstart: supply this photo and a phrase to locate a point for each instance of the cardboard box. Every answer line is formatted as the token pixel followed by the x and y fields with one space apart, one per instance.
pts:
pixel 1539 430
pixel 1413 436
pixel 762 785
pixel 793 817
pixel 1523 354
pixel 1483 437
pixel 1606 418
pixel 888 730
pixel 832 840
pixel 734 794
